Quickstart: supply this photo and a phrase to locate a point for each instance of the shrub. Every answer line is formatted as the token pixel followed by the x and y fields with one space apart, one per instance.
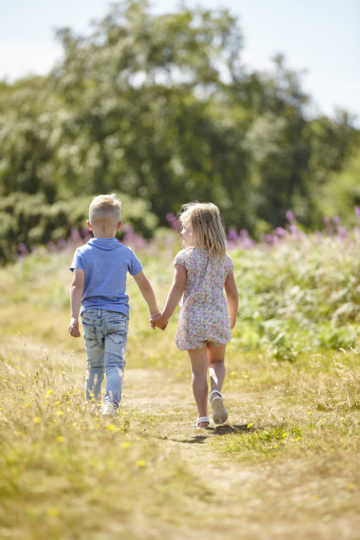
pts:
pixel 27 221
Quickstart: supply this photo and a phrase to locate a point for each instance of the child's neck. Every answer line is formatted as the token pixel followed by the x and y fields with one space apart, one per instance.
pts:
pixel 104 233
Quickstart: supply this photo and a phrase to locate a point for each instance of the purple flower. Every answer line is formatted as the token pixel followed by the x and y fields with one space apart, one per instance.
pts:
pixel 132 239
pixel 61 244
pixel 173 221
pixel 290 216
pixel 75 235
pixel 280 232
pixel 232 235
pixel 22 248
pixel 342 232
pixel 51 246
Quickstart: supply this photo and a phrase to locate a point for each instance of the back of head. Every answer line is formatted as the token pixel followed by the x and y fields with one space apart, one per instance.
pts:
pixel 204 221
pixel 104 210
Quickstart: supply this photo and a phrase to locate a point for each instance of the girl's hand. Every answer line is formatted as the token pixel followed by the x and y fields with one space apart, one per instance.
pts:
pixel 159 321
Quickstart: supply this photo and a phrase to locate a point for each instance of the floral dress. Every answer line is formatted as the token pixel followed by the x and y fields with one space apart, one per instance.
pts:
pixel 203 315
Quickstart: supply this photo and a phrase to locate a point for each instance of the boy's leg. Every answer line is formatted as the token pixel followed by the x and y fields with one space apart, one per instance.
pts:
pixel 95 360
pixel 115 345
pixel 216 362
pixel 199 367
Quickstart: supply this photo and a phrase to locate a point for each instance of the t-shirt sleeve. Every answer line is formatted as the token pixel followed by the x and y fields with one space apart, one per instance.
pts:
pixel 180 258
pixel 77 261
pixel 135 265
pixel 229 265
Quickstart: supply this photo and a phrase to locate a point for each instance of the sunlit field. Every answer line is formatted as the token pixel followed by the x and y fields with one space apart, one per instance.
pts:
pixel 286 465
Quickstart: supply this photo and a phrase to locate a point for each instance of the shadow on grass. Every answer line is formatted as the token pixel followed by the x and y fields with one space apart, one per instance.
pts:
pixel 226 429
pixel 218 430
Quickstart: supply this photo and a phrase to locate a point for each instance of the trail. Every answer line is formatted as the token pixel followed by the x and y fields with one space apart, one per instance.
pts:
pixel 261 500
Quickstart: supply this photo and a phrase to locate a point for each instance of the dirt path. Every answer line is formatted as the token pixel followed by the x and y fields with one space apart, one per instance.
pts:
pixel 262 500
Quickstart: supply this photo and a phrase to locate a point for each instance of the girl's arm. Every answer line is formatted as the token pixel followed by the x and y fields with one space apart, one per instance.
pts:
pixel 174 296
pixel 232 298
pixel 76 293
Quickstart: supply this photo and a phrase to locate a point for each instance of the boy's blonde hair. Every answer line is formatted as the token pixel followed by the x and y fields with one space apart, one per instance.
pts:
pixel 204 222
pixel 105 209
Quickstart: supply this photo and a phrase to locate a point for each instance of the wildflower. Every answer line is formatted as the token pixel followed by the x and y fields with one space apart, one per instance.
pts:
pixel 284 435
pixel 60 438
pixel 111 427
pixel 53 512
pixel 249 426
pixel 141 463
pixel 37 420
pixel 59 413
pixel 125 444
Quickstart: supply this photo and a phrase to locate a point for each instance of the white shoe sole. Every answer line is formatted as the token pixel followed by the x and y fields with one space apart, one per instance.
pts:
pixel 220 414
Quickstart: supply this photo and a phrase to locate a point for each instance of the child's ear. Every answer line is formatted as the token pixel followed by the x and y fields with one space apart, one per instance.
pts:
pixel 118 226
pixel 89 225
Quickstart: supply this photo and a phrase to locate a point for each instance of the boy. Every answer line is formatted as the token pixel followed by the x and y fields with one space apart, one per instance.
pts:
pixel 99 289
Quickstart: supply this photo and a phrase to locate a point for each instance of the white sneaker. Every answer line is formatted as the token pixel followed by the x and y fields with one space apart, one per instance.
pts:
pixel 220 414
pixel 108 409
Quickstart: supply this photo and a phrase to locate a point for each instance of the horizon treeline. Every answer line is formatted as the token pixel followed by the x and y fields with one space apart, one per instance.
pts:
pixel 162 108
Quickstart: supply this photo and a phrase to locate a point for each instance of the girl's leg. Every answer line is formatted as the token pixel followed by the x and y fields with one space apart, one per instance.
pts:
pixel 199 366
pixel 216 363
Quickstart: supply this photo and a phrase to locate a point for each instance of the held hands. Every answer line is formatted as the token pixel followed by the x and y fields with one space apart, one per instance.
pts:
pixel 158 321
pixel 74 328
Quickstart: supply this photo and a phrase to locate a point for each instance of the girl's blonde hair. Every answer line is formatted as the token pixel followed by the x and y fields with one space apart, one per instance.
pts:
pixel 204 222
pixel 105 208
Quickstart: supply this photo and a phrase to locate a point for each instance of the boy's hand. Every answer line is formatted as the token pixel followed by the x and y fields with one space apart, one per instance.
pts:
pixel 158 321
pixel 74 328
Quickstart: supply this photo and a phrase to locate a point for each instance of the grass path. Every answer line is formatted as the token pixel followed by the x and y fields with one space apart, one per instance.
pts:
pixel 285 467
pixel 290 496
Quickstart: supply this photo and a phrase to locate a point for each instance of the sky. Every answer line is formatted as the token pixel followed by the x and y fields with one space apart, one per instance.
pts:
pixel 320 38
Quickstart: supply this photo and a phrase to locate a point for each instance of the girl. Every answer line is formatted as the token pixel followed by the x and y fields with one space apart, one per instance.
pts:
pixel 202 270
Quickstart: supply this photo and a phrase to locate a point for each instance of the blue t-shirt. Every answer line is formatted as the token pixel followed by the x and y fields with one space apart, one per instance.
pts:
pixel 105 262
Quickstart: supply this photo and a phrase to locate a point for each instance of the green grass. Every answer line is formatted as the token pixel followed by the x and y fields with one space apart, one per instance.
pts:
pixel 286 464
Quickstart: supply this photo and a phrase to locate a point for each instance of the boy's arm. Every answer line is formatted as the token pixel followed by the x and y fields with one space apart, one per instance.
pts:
pixel 174 296
pixel 232 298
pixel 76 292
pixel 147 292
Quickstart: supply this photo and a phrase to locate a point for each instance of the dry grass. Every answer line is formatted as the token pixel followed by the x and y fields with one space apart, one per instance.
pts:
pixel 286 465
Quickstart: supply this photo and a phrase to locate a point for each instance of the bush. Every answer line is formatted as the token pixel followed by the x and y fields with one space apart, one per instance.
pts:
pixel 299 295
pixel 27 221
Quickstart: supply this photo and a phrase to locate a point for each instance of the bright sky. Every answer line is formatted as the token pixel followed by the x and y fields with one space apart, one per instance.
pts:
pixel 321 37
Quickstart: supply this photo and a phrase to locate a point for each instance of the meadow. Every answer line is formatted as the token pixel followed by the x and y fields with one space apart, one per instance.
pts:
pixel 285 465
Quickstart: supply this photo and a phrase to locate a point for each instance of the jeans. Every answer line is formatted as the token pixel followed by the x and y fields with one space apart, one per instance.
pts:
pixel 105 334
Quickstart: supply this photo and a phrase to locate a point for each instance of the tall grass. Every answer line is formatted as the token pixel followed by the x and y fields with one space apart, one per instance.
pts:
pixel 285 465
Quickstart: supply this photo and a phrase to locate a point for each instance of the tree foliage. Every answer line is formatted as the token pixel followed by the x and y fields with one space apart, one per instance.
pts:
pixel 161 107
